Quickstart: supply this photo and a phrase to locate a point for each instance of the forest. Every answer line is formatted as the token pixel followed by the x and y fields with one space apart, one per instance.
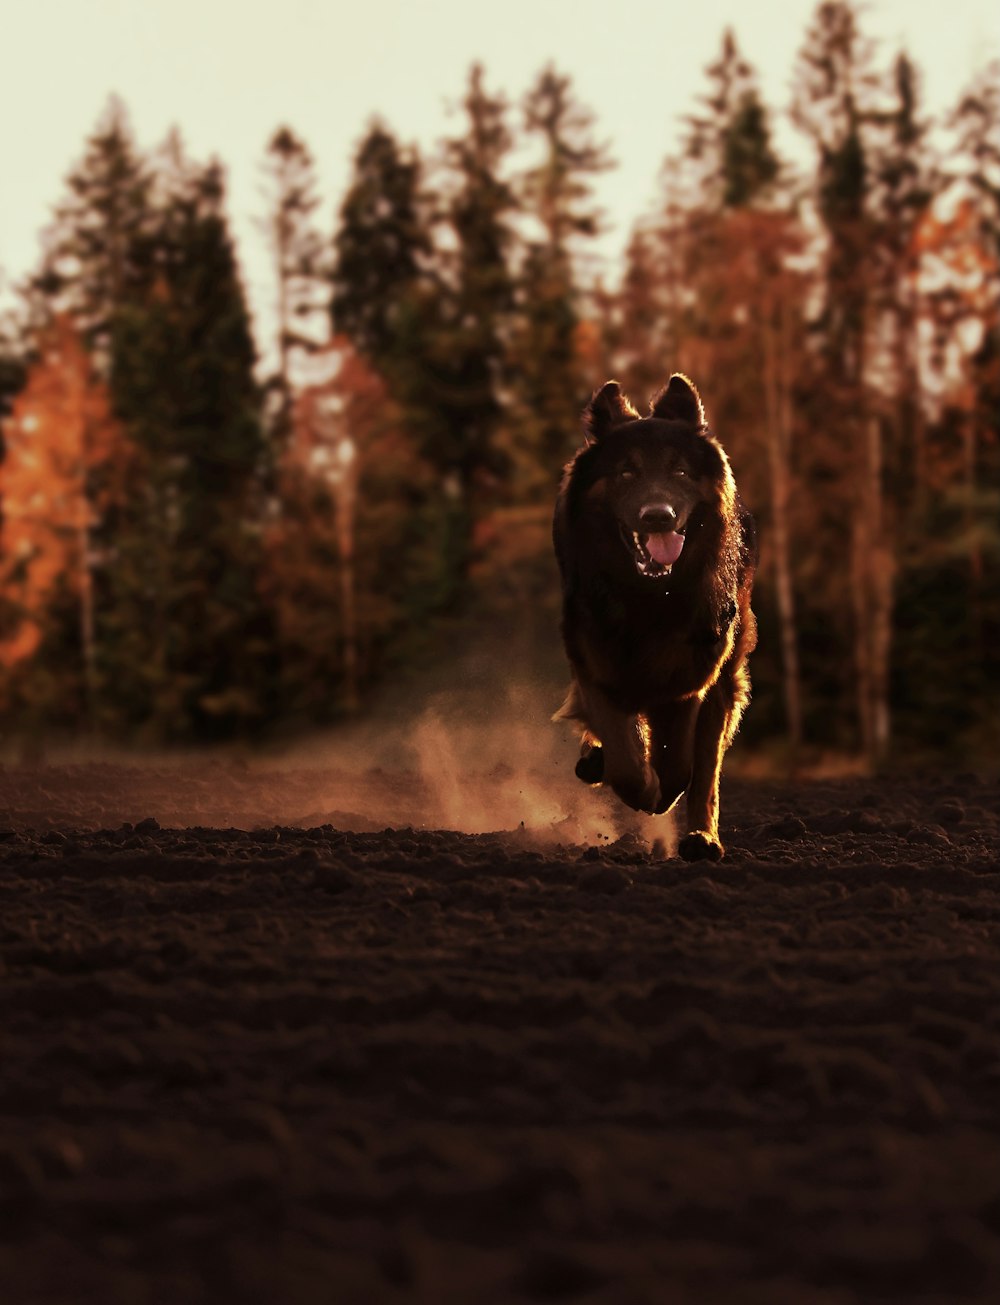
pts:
pixel 208 536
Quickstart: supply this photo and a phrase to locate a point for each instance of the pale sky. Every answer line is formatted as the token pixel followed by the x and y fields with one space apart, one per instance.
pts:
pixel 227 72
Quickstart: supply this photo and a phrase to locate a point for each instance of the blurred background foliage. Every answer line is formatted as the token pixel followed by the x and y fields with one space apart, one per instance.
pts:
pixel 207 536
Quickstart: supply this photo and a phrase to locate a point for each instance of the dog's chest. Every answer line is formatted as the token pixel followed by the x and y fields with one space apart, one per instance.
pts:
pixel 647 643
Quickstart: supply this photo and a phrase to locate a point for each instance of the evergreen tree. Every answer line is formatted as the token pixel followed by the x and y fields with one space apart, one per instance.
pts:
pixel 478 300
pixel 834 105
pixel 300 258
pixel 394 302
pixel 833 86
pixel 190 635
pixel 976 121
pixel 557 194
pixel 729 166
pixel 88 269
pixel 903 184
pixel 387 299
pixel 976 124
pixel 729 141
pixel 381 245
pixel 641 317
pixel 13 362
pixel 969 510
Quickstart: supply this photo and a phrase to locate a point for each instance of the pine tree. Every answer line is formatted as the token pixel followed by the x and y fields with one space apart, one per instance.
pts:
pixel 834 105
pixel 635 320
pixel 88 269
pixel 728 167
pixel 13 361
pixel 970 505
pixel 382 241
pixel 976 126
pixel 393 302
pixel 894 496
pixel 729 141
pixel 831 104
pixel 386 298
pixel 903 184
pixel 477 300
pixel 300 258
pixel 556 193
pixel 191 632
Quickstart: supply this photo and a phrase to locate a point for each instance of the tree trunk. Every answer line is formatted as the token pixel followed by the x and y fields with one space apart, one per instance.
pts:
pixel 344 495
pixel 880 573
pixel 778 421
pixel 283 325
pixel 969 457
pixel 872 593
pixel 909 384
pixel 82 527
pixel 860 603
pixel 87 639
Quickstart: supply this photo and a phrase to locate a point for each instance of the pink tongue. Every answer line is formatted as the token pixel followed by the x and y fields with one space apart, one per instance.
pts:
pixel 665 548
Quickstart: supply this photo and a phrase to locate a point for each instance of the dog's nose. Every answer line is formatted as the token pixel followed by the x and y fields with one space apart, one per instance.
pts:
pixel 657 517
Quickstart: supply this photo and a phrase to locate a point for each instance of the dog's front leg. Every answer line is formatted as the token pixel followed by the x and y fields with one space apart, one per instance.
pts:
pixel 671 747
pixel 623 749
pixel 701 843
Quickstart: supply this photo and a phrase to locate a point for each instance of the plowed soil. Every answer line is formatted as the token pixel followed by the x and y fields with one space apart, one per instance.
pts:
pixel 323 1061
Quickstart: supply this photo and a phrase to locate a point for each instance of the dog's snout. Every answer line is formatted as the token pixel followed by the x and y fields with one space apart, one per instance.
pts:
pixel 657 517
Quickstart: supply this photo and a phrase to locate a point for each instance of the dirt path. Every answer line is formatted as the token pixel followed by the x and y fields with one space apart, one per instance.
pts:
pixel 293 1064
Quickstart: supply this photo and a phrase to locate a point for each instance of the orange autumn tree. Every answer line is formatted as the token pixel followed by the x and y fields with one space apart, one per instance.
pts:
pixel 353 553
pixel 55 486
pixel 961 277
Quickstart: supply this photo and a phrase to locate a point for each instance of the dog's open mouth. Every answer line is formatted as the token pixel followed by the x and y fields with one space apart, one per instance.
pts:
pixel 655 554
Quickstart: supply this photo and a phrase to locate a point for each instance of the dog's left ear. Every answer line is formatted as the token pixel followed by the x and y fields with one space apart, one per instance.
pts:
pixel 679 400
pixel 607 408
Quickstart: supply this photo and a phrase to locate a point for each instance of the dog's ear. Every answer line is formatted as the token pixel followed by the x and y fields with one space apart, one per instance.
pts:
pixel 678 401
pixel 607 408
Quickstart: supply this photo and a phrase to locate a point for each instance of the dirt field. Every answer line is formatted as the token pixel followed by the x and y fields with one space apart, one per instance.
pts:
pixel 292 1064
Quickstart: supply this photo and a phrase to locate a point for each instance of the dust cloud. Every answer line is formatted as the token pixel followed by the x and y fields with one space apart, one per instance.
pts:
pixel 480 757
pixel 483 766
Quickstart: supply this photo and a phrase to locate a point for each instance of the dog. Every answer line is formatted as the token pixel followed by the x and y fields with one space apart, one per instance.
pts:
pixel 657 555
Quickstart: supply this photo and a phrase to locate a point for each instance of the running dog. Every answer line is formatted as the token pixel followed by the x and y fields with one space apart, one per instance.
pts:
pixel 657 557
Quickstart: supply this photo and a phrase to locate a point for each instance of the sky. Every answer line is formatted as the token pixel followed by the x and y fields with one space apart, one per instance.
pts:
pixel 228 72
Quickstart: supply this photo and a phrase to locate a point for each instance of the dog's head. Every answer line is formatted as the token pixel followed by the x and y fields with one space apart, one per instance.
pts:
pixel 656 474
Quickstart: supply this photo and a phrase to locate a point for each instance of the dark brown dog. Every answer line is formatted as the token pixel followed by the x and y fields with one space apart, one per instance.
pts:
pixel 657 556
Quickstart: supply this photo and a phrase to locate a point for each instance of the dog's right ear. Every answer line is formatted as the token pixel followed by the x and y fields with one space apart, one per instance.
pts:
pixel 607 408
pixel 679 400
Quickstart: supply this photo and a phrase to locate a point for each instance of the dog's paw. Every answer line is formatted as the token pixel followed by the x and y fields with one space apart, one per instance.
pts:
pixel 590 767
pixel 699 846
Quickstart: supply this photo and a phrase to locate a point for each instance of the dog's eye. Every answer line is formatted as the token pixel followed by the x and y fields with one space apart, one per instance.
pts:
pixel 679 471
pixel 626 473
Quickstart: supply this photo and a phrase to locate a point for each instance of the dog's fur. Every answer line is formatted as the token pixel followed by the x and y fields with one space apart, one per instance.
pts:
pixel 658 647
